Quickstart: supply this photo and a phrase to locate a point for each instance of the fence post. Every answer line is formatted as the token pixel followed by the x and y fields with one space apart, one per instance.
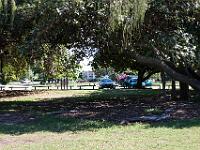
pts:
pixel 67 83
pixel 61 84
pixel 64 83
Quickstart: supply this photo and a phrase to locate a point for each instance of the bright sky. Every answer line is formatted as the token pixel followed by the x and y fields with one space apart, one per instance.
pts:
pixel 85 64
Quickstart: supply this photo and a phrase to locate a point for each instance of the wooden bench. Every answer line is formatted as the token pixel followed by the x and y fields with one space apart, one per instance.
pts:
pixel 44 86
pixel 18 87
pixel 80 86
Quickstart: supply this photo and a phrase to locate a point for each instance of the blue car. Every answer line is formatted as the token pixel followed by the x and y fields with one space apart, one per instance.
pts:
pixel 148 82
pixel 106 83
pixel 131 82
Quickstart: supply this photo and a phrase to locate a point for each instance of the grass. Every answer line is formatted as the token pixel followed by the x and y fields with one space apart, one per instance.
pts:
pixel 57 133
pixel 153 111
pixel 85 94
pixel 52 132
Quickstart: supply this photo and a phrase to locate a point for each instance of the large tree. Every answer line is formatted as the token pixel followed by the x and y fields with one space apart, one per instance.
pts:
pixel 26 26
pixel 170 33
pixel 163 34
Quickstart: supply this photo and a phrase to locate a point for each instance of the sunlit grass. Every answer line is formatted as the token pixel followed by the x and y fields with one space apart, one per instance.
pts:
pixel 91 94
pixel 53 133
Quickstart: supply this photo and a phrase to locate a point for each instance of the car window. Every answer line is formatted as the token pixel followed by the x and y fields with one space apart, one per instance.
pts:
pixel 106 80
pixel 133 80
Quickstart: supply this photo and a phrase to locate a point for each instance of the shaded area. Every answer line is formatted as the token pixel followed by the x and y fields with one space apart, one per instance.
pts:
pixel 177 124
pixel 101 109
pixel 53 124
pixel 4 94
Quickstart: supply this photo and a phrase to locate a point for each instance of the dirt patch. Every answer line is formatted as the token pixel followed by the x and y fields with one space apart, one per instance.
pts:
pixel 9 94
pixel 37 95
pixel 112 110
pixel 121 111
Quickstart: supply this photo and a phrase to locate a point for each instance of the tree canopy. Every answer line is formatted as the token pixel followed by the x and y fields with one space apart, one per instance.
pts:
pixel 161 34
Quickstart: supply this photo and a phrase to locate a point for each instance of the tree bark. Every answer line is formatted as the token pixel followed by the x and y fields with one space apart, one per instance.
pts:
pixel 149 75
pixel 140 79
pixel 173 92
pixel 163 79
pixel 184 91
pixel 159 64
pixel 2 73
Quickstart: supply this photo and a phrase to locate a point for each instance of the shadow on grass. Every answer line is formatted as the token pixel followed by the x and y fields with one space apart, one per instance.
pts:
pixel 4 93
pixel 16 116
pixel 113 97
pixel 53 124
pixel 61 125
pixel 177 124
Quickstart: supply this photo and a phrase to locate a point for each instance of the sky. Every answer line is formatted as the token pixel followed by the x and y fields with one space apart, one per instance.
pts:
pixel 85 64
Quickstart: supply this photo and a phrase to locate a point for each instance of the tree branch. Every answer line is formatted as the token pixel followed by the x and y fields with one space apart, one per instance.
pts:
pixel 156 63
pixel 149 75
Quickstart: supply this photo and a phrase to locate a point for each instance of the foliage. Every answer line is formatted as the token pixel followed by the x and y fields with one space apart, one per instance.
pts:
pixel 56 62
pixel 169 36
pixel 125 30
pixel 29 39
pixel 127 14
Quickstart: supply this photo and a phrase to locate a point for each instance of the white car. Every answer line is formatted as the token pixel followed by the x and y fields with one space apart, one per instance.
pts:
pixel 107 83
pixel 25 81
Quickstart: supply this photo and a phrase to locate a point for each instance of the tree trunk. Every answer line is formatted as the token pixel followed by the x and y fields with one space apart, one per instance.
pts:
pixel 163 79
pixel 184 91
pixel 173 92
pixel 2 74
pixel 140 79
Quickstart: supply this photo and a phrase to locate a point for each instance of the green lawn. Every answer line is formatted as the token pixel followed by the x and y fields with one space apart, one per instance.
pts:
pixel 51 132
pixel 57 133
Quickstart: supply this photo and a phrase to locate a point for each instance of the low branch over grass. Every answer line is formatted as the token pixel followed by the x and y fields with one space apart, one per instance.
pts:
pixel 164 67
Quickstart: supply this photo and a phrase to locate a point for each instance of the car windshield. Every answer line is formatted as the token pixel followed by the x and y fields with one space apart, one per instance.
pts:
pixel 133 80
pixel 106 80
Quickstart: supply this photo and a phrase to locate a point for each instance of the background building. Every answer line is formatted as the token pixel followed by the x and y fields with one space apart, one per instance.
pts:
pixel 88 75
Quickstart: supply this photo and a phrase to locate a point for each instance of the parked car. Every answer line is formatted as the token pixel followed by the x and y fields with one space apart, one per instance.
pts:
pixel 131 83
pixel 126 82
pixel 148 82
pixel 107 83
pixel 25 81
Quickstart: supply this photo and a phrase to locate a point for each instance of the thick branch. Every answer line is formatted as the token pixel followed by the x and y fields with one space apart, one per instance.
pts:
pixel 149 75
pixel 156 63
